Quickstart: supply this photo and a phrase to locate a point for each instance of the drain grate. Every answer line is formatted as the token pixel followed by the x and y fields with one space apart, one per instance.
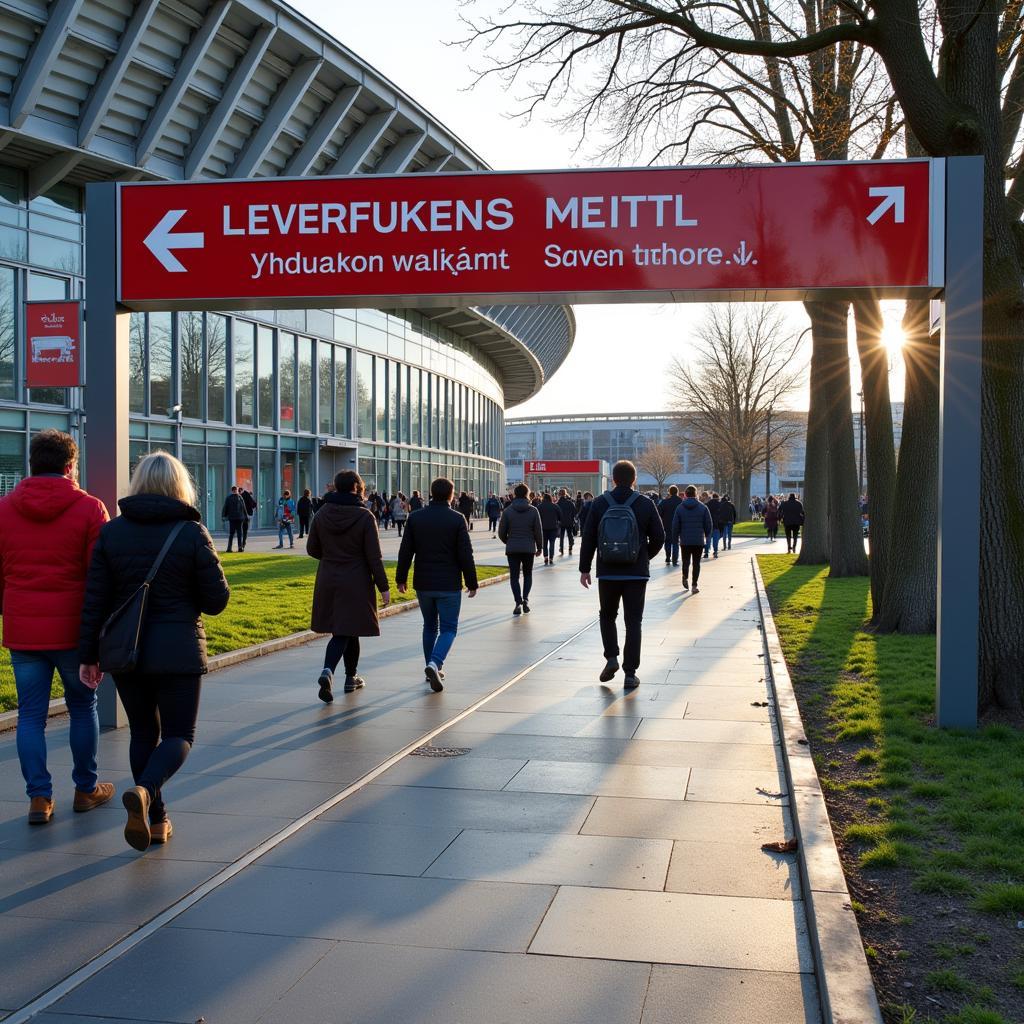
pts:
pixel 429 751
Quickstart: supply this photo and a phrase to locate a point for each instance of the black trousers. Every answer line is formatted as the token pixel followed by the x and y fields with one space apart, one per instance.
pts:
pixel 563 532
pixel 515 564
pixel 236 528
pixel 245 531
pixel 303 525
pixel 632 594
pixel 549 542
pixel 162 712
pixel 792 536
pixel 692 552
pixel 492 523
pixel 339 647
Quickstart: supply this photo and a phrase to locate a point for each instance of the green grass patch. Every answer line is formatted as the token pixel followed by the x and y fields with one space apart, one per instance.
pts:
pixel 942 883
pixel 271 596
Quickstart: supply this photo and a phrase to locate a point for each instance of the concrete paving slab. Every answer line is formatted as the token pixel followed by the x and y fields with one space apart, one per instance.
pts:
pixel 710 996
pixel 683 819
pixel 432 986
pixel 525 722
pixel 556 860
pixel 731 710
pixel 390 909
pixel 737 787
pixel 458 808
pixel 694 731
pixel 361 847
pixel 733 869
pixel 678 928
pixel 338 769
pixel 230 982
pixel 452 772
pixel 625 780
pixel 230 796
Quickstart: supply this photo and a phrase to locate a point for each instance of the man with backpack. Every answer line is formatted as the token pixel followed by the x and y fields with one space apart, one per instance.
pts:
pixel 624 530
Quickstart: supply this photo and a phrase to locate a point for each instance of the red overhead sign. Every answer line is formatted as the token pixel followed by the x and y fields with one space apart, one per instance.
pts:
pixel 53 344
pixel 541 467
pixel 780 229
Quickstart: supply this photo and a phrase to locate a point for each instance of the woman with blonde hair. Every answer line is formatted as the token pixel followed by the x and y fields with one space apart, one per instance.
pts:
pixel 158 527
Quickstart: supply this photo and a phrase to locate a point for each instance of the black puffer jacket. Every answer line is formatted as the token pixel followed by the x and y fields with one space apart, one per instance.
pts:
pixel 520 530
pixel 190 583
pixel 437 537
pixel 549 515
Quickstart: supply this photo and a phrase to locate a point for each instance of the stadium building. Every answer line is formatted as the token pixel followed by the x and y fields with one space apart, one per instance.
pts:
pixel 102 90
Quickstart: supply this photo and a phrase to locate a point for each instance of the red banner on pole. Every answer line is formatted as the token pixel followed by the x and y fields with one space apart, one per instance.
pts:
pixel 543 466
pixel 53 344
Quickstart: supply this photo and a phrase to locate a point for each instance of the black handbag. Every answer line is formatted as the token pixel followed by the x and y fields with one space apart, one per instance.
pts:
pixel 122 632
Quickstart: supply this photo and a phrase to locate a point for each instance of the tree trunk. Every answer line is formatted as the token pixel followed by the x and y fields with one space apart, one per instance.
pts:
pixel 908 602
pixel 741 496
pixel 880 451
pixel 814 545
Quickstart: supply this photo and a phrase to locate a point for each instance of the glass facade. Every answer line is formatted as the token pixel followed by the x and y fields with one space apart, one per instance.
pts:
pixel 270 400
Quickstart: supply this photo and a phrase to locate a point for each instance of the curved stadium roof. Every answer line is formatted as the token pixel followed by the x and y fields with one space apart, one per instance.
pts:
pixel 136 90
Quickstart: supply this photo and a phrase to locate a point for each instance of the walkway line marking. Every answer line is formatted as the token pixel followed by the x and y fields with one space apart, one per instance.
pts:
pixel 154 924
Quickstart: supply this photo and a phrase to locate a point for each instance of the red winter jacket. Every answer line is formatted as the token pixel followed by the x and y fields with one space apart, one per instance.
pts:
pixel 48 526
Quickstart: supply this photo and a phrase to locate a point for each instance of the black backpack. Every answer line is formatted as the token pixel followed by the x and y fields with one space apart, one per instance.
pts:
pixel 618 535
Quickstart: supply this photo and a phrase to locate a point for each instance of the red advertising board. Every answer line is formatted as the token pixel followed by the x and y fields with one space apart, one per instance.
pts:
pixel 665 233
pixel 53 344
pixel 541 466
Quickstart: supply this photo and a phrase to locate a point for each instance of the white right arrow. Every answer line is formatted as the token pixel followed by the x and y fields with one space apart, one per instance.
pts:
pixel 893 200
pixel 160 241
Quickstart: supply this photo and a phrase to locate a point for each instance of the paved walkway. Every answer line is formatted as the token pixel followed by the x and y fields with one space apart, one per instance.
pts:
pixel 591 857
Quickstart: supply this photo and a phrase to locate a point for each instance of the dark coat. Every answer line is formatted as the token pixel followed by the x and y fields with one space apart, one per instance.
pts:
pixel 304 507
pixel 190 584
pixel 649 524
pixel 771 515
pixel 792 512
pixel 715 508
pixel 567 512
pixel 520 530
pixel 691 524
pixel 234 508
pixel 667 509
pixel 437 537
pixel 344 537
pixel 728 512
pixel 415 503
pixel 466 505
pixel 549 515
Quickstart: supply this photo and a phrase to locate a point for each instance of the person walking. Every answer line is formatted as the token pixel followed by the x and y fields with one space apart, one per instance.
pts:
pixel 345 540
pixel 437 538
pixel 715 508
pixel 493 509
pixel 415 502
pixel 465 506
pixel 566 521
pixel 667 509
pixel 728 514
pixel 304 509
pixel 549 520
pixel 234 512
pixel 48 526
pixel 624 530
pixel 771 519
pixel 249 500
pixel 792 519
pixel 588 501
pixel 521 533
pixel 161 693
pixel 399 511
pixel 691 527
pixel 285 516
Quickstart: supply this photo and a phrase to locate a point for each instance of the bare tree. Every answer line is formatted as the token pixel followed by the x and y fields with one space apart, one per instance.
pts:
pixel 660 461
pixel 745 369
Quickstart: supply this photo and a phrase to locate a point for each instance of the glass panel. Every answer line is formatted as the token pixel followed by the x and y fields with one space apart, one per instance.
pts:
pixel 406 378
pixel 216 367
pixel 245 469
pixel 216 484
pixel 194 457
pixel 307 413
pixel 265 368
pixel 137 362
pixel 414 408
pixel 190 355
pixel 12 461
pixel 341 371
pixel 325 384
pixel 380 393
pixel 242 338
pixel 55 253
pixel 435 411
pixel 286 378
pixel 8 334
pixel 266 493
pixel 364 394
pixel 394 408
pixel 160 367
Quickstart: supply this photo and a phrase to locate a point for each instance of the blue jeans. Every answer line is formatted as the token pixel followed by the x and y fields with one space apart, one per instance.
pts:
pixel 281 528
pixel 440 610
pixel 716 536
pixel 727 534
pixel 671 550
pixel 33 676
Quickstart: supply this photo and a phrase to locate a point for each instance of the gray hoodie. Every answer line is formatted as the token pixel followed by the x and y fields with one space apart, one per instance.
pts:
pixel 520 528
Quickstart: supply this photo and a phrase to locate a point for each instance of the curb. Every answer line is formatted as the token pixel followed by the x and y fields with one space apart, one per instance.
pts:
pixel 9 719
pixel 844 979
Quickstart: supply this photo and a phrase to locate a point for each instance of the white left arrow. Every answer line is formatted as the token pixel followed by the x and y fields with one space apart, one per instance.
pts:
pixel 892 199
pixel 160 241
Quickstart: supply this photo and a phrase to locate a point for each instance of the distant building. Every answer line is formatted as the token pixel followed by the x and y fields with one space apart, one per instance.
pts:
pixel 615 436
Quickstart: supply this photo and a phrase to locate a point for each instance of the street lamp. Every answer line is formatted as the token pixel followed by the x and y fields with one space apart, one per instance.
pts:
pixel 860 468
pixel 175 411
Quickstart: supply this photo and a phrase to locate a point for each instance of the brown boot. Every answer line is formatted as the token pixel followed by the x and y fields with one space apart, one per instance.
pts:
pixel 100 795
pixel 40 810
pixel 161 831
pixel 136 829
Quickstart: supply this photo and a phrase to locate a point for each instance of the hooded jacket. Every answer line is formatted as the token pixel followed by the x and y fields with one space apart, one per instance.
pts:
pixel 691 524
pixel 520 530
pixel 190 583
pixel 48 526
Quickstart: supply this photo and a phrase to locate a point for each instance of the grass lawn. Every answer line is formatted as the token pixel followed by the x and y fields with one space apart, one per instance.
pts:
pixel 751 529
pixel 271 596
pixel 930 823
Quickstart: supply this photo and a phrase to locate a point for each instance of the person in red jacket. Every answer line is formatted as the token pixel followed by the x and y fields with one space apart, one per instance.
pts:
pixel 48 526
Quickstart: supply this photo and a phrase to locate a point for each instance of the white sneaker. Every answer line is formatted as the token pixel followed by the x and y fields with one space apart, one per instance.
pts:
pixel 433 674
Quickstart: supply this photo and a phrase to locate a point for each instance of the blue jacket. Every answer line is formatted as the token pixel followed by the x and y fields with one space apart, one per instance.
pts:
pixel 691 524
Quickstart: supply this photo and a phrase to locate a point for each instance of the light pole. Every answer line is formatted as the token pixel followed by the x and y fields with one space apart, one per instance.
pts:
pixel 176 411
pixel 860 468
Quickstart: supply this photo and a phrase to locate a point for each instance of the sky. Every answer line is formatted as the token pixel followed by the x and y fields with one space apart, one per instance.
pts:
pixel 409 42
